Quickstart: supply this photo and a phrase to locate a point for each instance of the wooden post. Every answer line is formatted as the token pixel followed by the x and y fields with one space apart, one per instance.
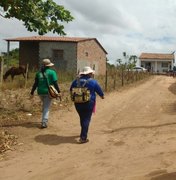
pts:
pixel 122 76
pixel 114 81
pixel 8 50
pixel 136 73
pixel 26 75
pixel 106 81
pixel 2 68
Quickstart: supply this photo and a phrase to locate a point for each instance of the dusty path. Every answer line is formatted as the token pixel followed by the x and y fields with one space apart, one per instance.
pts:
pixel 132 137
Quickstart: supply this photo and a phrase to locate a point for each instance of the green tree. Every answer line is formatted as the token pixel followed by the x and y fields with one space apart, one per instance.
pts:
pixel 41 16
pixel 12 58
pixel 131 61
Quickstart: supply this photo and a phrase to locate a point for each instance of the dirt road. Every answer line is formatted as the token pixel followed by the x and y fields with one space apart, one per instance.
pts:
pixel 132 137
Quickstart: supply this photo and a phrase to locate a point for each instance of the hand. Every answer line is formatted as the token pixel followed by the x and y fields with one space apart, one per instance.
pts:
pixel 102 97
pixel 59 96
pixel 31 96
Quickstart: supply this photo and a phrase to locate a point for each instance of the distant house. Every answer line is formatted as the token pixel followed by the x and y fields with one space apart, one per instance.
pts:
pixel 156 62
pixel 68 53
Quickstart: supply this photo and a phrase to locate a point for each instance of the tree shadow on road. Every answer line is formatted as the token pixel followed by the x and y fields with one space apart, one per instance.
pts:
pixel 169 108
pixel 172 88
pixel 167 176
pixel 53 139
pixel 140 127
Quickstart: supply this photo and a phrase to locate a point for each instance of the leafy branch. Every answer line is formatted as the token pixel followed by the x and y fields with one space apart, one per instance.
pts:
pixel 41 16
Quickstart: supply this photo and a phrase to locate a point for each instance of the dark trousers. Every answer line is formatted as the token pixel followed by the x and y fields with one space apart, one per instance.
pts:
pixel 85 112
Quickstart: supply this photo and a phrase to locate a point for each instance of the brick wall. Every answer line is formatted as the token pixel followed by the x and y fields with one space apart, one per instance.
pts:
pixel 76 55
pixel 91 54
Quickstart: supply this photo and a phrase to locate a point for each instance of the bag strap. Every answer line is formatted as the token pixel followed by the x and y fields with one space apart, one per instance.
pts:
pixel 85 82
pixel 44 75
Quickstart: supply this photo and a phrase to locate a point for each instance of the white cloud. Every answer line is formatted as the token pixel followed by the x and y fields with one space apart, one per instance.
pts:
pixel 132 26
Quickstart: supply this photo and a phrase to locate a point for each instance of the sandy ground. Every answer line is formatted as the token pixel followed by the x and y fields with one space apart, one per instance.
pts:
pixel 132 137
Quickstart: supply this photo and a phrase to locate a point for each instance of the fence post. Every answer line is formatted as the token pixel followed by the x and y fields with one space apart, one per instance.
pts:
pixel 136 73
pixel 122 76
pixel 2 68
pixel 26 75
pixel 106 80
pixel 115 81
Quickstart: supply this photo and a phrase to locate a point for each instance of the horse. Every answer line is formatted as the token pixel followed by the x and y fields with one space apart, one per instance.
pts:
pixel 13 71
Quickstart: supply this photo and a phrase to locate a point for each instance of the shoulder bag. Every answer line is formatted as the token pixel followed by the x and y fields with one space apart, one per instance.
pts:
pixel 52 92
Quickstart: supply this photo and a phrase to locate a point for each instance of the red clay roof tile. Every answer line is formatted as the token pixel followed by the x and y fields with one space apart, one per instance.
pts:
pixel 49 38
pixel 55 38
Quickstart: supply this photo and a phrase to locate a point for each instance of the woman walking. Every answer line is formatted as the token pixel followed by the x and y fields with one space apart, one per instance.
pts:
pixel 46 76
pixel 85 109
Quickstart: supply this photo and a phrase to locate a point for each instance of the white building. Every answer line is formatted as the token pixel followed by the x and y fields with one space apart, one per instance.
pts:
pixel 157 63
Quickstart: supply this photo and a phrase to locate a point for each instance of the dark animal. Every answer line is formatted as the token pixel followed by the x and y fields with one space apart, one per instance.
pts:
pixel 13 71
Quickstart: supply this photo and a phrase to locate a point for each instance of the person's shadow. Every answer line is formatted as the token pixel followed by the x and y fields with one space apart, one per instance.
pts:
pixel 53 139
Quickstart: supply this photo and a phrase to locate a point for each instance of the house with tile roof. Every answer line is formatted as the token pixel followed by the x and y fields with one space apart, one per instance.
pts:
pixel 69 54
pixel 156 62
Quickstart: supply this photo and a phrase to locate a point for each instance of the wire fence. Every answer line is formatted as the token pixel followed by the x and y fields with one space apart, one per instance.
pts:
pixel 112 80
pixel 115 79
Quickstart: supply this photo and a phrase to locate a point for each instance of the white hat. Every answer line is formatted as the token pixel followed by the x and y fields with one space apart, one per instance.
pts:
pixel 47 62
pixel 87 70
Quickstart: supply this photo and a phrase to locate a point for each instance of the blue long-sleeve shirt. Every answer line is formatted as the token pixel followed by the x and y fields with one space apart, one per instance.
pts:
pixel 91 84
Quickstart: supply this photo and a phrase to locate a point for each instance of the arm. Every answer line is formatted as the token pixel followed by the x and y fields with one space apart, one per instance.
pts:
pixel 99 91
pixel 73 84
pixel 56 86
pixel 34 86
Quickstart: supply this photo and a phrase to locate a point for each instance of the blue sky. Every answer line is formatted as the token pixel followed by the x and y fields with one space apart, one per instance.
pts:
pixel 131 26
